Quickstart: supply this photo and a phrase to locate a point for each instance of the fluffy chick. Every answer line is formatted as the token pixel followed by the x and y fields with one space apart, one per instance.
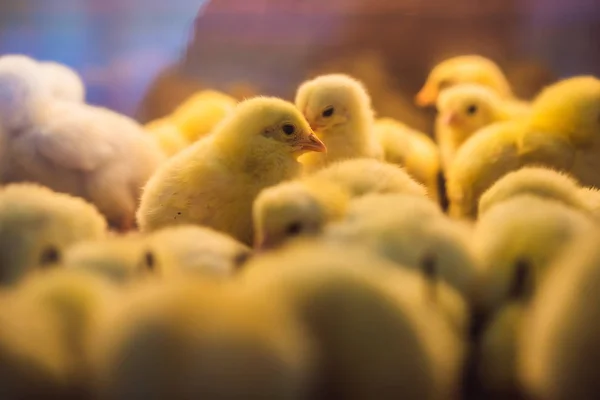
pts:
pixel 215 181
pixel 304 207
pixel 376 329
pixel 119 259
pixel 559 340
pixel 198 249
pixel 536 181
pixel 463 110
pixel 591 197
pixel 560 133
pixel 195 340
pixel 463 69
pixel 198 116
pixel 412 233
pixel 338 108
pixel 72 147
pixel 65 83
pixel 167 135
pixel 38 225
pixel 521 236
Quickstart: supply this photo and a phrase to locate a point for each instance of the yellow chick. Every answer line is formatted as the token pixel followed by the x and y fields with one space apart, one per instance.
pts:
pixel 463 110
pixel 167 135
pixel 198 249
pixel 412 233
pixel 304 207
pixel 540 182
pixel 411 149
pixel 119 259
pixel 214 182
pixel 463 69
pixel 339 110
pixel 560 133
pixel 558 356
pixel 591 197
pixel 521 237
pixel 38 225
pixel 377 330
pixel 198 116
pixel 192 340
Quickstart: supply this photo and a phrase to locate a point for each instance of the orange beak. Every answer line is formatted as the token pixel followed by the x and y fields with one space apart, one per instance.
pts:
pixel 311 143
pixel 427 96
pixel 449 118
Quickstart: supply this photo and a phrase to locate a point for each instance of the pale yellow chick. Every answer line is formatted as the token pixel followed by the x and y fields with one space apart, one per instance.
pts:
pixel 339 110
pixel 215 181
pixel 463 110
pixel 167 135
pixel 37 226
pixel 560 133
pixel 411 149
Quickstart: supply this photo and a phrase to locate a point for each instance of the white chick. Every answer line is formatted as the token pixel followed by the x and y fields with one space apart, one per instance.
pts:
pixel 65 83
pixel 192 340
pixel 215 181
pixel 38 225
pixel 198 249
pixel 463 110
pixel 377 330
pixel 72 147
pixel 338 108
pixel 304 207
pixel 559 340
pixel 540 182
pixel 411 149
pixel 522 236
pixel 119 259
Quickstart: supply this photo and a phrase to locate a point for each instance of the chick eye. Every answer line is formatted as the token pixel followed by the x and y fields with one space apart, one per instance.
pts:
pixel 288 129
pixel 50 255
pixel 328 112
pixel 294 229
pixel 241 258
pixel 472 109
pixel 149 262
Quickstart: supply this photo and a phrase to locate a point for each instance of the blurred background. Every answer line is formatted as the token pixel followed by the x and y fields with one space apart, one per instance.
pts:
pixel 142 57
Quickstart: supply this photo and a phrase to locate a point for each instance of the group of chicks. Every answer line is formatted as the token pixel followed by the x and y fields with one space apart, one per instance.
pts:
pixel 299 250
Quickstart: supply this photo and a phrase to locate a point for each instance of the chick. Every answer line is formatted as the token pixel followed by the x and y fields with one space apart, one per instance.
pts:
pixel 198 116
pixel 72 147
pixel 339 109
pixel 377 331
pixel 523 233
pixel 463 110
pixel 65 83
pixel 193 340
pixel 463 69
pixel 304 207
pixel 591 197
pixel 168 136
pixel 411 233
pixel 38 225
pixel 540 182
pixel 560 133
pixel 559 339
pixel 119 259
pixel 198 249
pixel 214 182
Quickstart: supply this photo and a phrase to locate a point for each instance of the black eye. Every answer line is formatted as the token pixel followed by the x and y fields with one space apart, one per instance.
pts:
pixel 328 112
pixel 149 262
pixel 50 255
pixel 288 129
pixel 294 229
pixel 472 109
pixel 241 258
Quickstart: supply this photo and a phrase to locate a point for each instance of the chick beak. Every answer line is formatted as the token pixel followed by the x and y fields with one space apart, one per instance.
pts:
pixel 311 143
pixel 426 96
pixel 449 119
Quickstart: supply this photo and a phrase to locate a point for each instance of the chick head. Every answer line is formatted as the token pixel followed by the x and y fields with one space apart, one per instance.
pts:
pixel 571 108
pixel 294 209
pixel 65 83
pixel 331 101
pixel 21 86
pixel 38 225
pixel 468 107
pixel 463 69
pixel 268 125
